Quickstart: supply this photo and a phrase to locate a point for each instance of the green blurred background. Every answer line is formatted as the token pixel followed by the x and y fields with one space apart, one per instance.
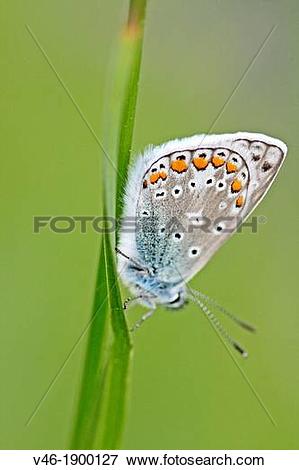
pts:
pixel 186 392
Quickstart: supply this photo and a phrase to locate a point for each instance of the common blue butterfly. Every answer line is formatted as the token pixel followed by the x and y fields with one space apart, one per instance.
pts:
pixel 185 198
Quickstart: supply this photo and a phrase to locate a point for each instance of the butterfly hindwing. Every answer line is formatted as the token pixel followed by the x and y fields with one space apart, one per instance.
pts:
pixel 190 200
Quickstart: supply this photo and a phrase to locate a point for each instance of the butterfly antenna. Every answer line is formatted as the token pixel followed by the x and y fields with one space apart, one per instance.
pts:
pixel 230 315
pixel 218 326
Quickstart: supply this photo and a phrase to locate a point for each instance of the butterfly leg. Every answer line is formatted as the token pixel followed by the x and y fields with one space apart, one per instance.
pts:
pixel 142 320
pixel 130 301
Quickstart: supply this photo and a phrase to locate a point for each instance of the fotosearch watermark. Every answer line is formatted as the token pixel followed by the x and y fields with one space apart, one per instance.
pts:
pixel 65 224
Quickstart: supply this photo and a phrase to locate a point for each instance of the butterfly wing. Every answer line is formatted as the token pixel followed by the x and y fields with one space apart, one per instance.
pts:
pixel 194 194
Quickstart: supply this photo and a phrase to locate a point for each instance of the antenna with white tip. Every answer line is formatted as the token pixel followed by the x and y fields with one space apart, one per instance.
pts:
pixel 230 315
pixel 218 326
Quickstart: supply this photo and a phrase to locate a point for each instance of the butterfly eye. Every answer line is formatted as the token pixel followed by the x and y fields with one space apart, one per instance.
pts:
pixel 176 301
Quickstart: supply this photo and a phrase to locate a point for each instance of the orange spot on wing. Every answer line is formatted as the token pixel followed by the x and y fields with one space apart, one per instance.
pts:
pixel 217 161
pixel 236 186
pixel 154 177
pixel 231 167
pixel 179 166
pixel 200 163
pixel 240 201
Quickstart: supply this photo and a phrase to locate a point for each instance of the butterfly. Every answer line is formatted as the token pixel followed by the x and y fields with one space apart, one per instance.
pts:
pixel 184 199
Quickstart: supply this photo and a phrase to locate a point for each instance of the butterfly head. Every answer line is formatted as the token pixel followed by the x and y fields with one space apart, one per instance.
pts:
pixel 168 294
pixel 151 290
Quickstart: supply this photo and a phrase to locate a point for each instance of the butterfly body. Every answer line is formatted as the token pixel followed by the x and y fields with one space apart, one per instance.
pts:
pixel 184 199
